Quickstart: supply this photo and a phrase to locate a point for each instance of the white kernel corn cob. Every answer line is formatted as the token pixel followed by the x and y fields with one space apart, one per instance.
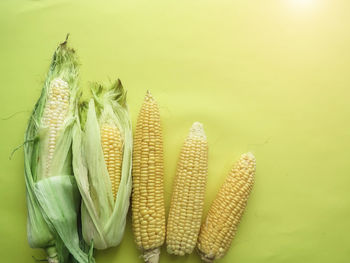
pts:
pixel 188 193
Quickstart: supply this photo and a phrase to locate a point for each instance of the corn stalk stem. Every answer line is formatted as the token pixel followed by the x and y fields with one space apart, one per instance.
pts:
pixel 52 256
pixel 204 257
pixel 151 255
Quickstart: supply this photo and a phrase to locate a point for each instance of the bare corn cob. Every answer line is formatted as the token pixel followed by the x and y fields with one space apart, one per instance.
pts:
pixel 224 215
pixel 112 147
pixel 188 194
pixel 148 210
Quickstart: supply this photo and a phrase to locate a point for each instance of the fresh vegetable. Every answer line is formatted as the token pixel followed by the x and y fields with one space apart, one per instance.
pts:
pixel 81 169
pixel 224 215
pixel 148 210
pixel 102 152
pixel 188 193
pixel 52 194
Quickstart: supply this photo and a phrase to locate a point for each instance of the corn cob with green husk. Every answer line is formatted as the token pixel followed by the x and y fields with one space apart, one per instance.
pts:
pixel 148 210
pixel 224 215
pixel 52 194
pixel 102 155
pixel 188 194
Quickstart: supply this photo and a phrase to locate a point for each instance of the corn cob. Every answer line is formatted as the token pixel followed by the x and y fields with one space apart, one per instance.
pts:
pixel 148 209
pixel 102 165
pixel 224 215
pixel 52 194
pixel 112 147
pixel 188 194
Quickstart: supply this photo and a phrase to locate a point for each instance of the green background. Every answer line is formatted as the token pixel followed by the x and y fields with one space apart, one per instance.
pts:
pixel 271 77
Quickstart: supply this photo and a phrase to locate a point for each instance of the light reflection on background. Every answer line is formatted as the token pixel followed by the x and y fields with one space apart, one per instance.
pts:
pixel 301 4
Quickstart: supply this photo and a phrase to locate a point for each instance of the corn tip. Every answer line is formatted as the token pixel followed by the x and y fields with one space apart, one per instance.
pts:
pixel 250 155
pixel 149 96
pixel 197 130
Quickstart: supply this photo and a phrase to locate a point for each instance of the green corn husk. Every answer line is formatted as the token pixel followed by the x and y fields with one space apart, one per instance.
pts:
pixel 103 218
pixel 52 195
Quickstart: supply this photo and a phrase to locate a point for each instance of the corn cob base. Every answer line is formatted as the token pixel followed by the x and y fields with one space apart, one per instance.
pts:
pixel 52 256
pixel 53 260
pixel 205 257
pixel 151 255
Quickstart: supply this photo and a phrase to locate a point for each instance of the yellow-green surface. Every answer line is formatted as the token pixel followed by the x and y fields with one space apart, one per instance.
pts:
pixel 271 77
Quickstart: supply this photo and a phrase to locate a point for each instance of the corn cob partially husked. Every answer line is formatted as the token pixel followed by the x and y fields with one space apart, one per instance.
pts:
pixel 52 195
pixel 220 226
pixel 102 165
pixel 148 208
pixel 188 193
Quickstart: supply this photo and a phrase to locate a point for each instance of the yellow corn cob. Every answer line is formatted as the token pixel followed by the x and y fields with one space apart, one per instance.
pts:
pixel 188 194
pixel 148 209
pixel 112 147
pixel 220 226
pixel 55 112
